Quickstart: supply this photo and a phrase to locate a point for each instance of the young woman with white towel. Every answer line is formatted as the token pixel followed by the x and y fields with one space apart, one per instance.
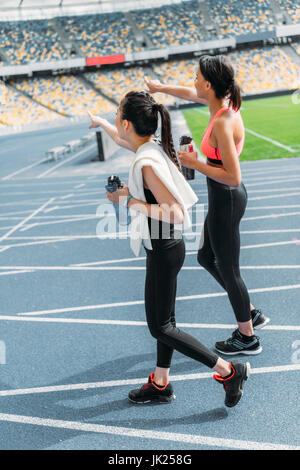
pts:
pixel 159 198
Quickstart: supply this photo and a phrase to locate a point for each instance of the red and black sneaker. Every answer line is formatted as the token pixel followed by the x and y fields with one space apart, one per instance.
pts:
pixel 152 393
pixel 233 384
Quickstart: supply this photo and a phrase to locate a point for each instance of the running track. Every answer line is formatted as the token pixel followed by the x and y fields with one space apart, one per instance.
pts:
pixel 73 338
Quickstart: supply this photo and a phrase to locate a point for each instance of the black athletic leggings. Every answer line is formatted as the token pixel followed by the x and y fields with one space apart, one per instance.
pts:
pixel 162 268
pixel 219 248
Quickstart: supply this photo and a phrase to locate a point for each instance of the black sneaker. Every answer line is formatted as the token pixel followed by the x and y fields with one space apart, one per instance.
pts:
pixel 152 393
pixel 258 319
pixel 238 345
pixel 233 385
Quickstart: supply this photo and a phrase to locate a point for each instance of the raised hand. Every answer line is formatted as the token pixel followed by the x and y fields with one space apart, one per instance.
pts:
pixel 96 120
pixel 153 85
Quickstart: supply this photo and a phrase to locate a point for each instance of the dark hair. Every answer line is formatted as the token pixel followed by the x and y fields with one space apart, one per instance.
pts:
pixel 140 108
pixel 219 72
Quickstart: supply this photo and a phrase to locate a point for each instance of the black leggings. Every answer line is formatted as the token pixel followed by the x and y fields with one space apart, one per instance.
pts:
pixel 162 268
pixel 219 248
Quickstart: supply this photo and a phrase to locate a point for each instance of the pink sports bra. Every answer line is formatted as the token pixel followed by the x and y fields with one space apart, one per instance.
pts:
pixel 212 153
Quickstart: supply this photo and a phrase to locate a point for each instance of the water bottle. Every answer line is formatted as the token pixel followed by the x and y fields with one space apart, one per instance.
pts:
pixel 185 144
pixel 122 212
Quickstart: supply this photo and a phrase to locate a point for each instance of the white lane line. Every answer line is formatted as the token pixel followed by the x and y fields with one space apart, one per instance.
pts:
pixel 54 237
pixel 269 170
pixel 57 191
pixel 270 179
pixel 72 237
pixel 272 216
pixel 146 434
pixel 93 321
pixel 6 273
pixel 44 242
pixel 125 382
pixel 286 206
pixel 269 216
pixel 120 260
pixel 272 196
pixel 141 302
pixel 66 196
pixel 249 182
pixel 263 245
pixel 124 236
pixel 23 169
pixel 272 141
pixel 55 217
pixel 4 237
pixel 67 220
pixel 129 268
pixel 42 175
pixel 38 184
pixel 13 215
pixel 284 230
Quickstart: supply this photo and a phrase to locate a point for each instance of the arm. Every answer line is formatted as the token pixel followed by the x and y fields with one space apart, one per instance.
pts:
pixel 110 129
pixel 230 172
pixel 182 92
pixel 168 209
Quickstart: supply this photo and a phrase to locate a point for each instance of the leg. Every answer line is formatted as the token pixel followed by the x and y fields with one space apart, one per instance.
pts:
pixel 206 256
pixel 163 270
pixel 223 229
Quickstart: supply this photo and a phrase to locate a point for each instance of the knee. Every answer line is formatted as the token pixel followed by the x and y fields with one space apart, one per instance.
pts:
pixel 159 331
pixel 202 257
pixel 154 331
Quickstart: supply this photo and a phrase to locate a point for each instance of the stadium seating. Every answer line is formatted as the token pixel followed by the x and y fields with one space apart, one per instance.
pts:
pixel 30 41
pixel 241 16
pixel 17 109
pixel 257 70
pixel 65 94
pixel 116 84
pixel 293 9
pixel 264 70
pixel 103 34
pixel 173 24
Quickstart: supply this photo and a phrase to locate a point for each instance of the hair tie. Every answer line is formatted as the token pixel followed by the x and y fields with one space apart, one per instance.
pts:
pixel 156 107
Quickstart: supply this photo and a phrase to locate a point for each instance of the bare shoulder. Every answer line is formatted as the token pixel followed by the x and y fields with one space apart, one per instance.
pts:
pixel 224 122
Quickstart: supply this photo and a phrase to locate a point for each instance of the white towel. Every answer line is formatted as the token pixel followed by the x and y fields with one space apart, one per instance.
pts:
pixel 152 154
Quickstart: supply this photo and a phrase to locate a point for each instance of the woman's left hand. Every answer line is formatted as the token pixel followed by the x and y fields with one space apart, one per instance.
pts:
pixel 119 196
pixel 188 159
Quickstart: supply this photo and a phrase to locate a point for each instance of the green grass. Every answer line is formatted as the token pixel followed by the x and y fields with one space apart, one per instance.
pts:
pixel 276 118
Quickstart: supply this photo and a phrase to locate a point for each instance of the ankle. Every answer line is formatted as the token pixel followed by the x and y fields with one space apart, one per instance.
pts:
pixel 223 368
pixel 160 381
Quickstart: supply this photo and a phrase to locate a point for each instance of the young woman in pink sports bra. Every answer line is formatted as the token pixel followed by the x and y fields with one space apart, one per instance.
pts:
pixel 222 144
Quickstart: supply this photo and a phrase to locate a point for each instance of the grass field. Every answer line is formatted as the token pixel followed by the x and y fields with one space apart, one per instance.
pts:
pixel 275 119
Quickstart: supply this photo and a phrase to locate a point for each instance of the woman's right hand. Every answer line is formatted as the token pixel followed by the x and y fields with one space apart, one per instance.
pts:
pixel 153 85
pixel 96 120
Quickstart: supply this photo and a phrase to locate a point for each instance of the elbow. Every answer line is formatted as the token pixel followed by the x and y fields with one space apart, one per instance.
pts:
pixel 237 182
pixel 236 179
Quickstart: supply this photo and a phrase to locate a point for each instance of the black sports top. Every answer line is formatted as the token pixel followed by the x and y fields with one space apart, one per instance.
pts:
pixel 162 234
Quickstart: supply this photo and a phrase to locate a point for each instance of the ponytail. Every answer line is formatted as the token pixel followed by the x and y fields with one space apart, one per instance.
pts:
pixel 166 136
pixel 235 96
